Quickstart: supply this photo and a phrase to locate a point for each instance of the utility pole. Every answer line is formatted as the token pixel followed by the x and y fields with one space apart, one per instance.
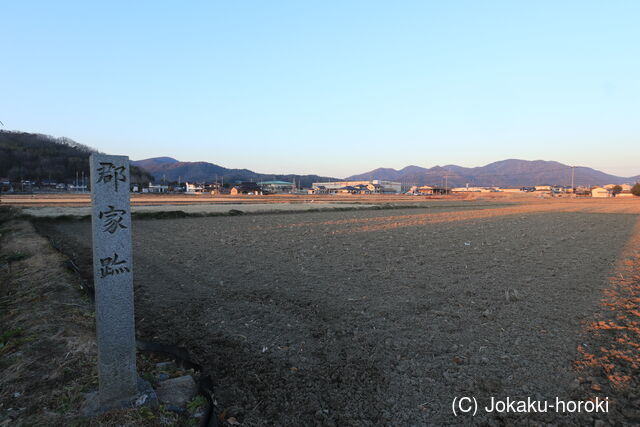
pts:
pixel 573 173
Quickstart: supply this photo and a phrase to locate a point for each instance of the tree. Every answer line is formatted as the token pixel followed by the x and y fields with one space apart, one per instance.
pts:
pixel 616 189
pixel 635 190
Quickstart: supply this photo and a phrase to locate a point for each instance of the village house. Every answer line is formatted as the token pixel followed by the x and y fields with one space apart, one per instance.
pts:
pixel 194 188
pixel 423 190
pixel 472 189
pixel 153 188
pixel 250 188
pixel 321 189
pixel 77 188
pixel 600 192
pixel 5 185
pixel 374 186
pixel 559 189
pixel 277 186
pixel 216 189
pixel 624 187
pixel 347 189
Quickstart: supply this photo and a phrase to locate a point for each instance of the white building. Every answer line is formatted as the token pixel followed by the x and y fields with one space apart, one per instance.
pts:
pixel 379 186
pixel 193 188
pixel 277 186
pixel 158 188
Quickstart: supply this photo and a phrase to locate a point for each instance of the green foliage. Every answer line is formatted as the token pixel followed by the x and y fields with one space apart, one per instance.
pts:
pixel 616 189
pixel 635 190
pixel 7 335
pixel 15 256
pixel 147 413
pixel 11 339
pixel 8 213
pixel 149 377
pixel 196 404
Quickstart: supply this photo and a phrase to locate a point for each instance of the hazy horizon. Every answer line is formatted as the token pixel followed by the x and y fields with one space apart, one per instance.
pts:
pixel 332 88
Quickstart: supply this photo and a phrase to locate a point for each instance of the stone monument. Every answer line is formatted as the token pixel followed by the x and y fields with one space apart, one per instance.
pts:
pixel 119 385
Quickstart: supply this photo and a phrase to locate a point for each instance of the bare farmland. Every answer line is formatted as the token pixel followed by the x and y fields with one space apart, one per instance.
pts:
pixel 379 317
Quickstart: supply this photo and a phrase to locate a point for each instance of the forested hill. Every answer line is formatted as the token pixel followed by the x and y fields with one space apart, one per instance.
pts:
pixel 37 157
pixel 171 170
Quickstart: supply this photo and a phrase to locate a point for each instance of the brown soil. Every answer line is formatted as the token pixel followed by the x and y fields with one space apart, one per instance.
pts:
pixel 65 199
pixel 377 317
pixel 69 199
pixel 610 356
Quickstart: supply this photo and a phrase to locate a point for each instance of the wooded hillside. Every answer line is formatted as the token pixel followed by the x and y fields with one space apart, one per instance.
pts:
pixel 37 157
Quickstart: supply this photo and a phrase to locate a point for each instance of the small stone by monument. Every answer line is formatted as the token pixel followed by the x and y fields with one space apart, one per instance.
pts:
pixel 119 385
pixel 177 391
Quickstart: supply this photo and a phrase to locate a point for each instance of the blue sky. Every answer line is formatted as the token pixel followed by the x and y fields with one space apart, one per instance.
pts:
pixel 330 87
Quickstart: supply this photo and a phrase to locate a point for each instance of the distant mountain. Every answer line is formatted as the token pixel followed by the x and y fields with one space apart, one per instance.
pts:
pixel 172 170
pixel 29 156
pixel 505 173
pixel 154 162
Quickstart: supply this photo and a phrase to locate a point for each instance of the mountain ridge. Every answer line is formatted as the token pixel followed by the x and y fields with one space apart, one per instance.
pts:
pixel 37 156
pixel 502 173
pixel 172 170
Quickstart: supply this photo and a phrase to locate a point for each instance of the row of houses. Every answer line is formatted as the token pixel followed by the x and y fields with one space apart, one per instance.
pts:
pixel 251 188
pixel 262 187
pixel 391 187
pixel 612 190
pixel 28 186
pixel 265 187
pixel 331 187
pixel 374 186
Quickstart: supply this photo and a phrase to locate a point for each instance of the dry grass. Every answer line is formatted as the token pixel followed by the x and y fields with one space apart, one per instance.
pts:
pixel 48 357
pixel 47 341
pixel 610 360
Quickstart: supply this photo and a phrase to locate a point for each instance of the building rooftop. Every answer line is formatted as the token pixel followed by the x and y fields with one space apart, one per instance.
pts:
pixel 276 183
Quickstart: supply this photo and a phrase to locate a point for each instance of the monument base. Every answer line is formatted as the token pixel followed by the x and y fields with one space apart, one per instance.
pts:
pixel 146 397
